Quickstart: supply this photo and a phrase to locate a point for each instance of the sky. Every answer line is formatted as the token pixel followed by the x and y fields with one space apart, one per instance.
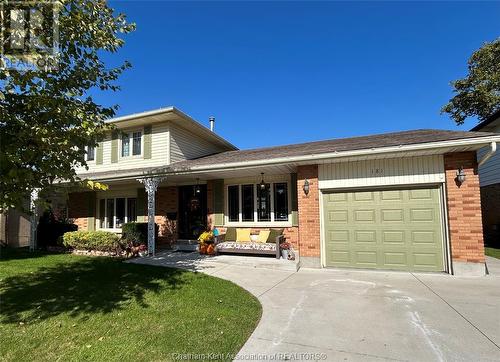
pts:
pixel 275 73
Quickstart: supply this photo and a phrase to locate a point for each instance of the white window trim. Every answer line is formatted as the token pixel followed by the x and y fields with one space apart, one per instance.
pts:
pixel 255 223
pixel 113 229
pixel 130 132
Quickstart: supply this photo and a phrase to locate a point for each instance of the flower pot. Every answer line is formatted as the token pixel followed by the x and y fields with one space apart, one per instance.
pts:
pixel 203 249
pixel 284 254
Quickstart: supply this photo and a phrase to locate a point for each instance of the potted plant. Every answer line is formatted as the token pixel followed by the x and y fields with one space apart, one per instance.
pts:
pixel 285 248
pixel 205 242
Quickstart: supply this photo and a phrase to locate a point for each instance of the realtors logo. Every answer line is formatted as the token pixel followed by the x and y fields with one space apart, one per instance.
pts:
pixel 29 38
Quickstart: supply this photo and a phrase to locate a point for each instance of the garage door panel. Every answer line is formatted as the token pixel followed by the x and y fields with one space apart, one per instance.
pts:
pixel 417 215
pixel 394 259
pixel 367 258
pixel 393 237
pixel 364 215
pixel 385 229
pixel 391 215
pixel 366 236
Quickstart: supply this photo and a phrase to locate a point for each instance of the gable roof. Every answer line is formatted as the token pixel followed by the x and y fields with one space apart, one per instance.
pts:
pixel 334 146
pixel 176 116
pixel 495 116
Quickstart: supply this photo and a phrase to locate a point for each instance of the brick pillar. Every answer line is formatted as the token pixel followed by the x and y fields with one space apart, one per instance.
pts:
pixel 464 214
pixel 166 202
pixel 210 204
pixel 309 228
pixel 78 209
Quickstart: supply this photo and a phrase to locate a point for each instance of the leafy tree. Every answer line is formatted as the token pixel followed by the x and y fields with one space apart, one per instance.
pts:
pixel 47 116
pixel 478 94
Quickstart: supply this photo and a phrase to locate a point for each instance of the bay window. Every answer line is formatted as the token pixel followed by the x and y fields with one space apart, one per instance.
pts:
pixel 252 203
pixel 233 203
pixel 114 212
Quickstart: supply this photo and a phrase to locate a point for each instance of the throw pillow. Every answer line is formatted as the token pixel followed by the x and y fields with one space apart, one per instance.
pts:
pixel 230 234
pixel 263 236
pixel 243 235
pixel 273 234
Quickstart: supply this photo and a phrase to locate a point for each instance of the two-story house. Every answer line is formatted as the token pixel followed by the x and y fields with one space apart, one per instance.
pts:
pixel 406 200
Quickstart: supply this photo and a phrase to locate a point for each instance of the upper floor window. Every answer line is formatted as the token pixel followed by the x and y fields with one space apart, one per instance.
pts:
pixel 256 203
pixel 136 139
pixel 90 153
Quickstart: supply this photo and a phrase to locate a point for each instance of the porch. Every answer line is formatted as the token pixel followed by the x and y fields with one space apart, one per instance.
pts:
pixel 193 261
pixel 185 205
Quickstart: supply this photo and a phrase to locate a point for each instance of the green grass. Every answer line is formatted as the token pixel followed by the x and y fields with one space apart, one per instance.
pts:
pixel 62 307
pixel 494 252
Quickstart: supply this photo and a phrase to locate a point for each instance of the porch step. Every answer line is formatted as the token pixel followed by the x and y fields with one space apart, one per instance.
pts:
pixel 185 245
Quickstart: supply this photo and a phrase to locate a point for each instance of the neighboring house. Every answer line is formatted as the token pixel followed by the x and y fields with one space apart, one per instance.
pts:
pixel 489 180
pixel 390 201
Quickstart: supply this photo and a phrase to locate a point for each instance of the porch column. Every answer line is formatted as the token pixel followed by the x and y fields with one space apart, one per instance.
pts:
pixel 34 218
pixel 151 185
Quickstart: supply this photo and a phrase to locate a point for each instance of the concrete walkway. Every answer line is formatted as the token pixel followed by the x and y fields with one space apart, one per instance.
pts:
pixel 339 314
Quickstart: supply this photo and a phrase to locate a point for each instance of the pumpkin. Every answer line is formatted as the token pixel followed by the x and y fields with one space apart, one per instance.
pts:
pixel 203 249
pixel 211 249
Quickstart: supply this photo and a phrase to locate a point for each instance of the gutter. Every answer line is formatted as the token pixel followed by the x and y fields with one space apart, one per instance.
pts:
pixel 324 156
pixel 477 141
pixel 491 152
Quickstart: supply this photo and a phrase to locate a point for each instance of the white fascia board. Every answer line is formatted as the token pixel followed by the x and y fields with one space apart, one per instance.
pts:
pixel 479 141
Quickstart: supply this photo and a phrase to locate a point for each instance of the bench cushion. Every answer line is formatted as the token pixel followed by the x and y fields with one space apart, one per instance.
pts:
pixel 230 234
pixel 273 234
pixel 231 245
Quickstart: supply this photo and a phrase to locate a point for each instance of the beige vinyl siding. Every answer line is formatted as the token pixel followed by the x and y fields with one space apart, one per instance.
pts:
pixel 489 173
pixel 391 171
pixel 159 152
pixel 185 145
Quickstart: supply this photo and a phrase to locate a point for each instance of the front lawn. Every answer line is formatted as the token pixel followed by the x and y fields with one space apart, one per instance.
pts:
pixel 494 252
pixel 66 307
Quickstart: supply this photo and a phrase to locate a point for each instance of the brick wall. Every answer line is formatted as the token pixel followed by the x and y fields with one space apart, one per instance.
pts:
pixel 464 208
pixel 166 202
pixel 490 208
pixel 78 209
pixel 210 204
pixel 309 228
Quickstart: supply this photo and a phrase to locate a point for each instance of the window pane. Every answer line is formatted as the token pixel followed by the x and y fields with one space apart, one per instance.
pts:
pixel 110 212
pixel 125 145
pixel 120 212
pixel 90 153
pixel 102 212
pixel 233 203
pixel 280 202
pixel 247 199
pixel 132 212
pixel 264 203
pixel 136 146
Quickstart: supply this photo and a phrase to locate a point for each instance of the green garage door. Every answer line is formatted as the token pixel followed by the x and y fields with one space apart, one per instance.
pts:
pixel 384 229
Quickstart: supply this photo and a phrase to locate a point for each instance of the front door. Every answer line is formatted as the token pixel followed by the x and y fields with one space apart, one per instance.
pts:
pixel 192 211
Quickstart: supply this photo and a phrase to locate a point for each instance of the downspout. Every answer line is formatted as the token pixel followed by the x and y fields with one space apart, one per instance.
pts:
pixel 486 157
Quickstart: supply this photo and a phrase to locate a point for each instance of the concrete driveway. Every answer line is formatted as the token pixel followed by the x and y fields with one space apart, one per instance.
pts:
pixel 368 315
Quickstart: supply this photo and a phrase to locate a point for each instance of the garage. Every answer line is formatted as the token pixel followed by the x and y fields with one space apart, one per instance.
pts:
pixel 384 228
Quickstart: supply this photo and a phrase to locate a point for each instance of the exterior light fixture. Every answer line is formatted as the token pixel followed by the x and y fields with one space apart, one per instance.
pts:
pixel 197 187
pixel 306 187
pixel 262 183
pixel 460 175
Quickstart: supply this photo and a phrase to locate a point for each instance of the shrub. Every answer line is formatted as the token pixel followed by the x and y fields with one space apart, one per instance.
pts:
pixel 137 232
pixel 92 240
pixel 50 229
